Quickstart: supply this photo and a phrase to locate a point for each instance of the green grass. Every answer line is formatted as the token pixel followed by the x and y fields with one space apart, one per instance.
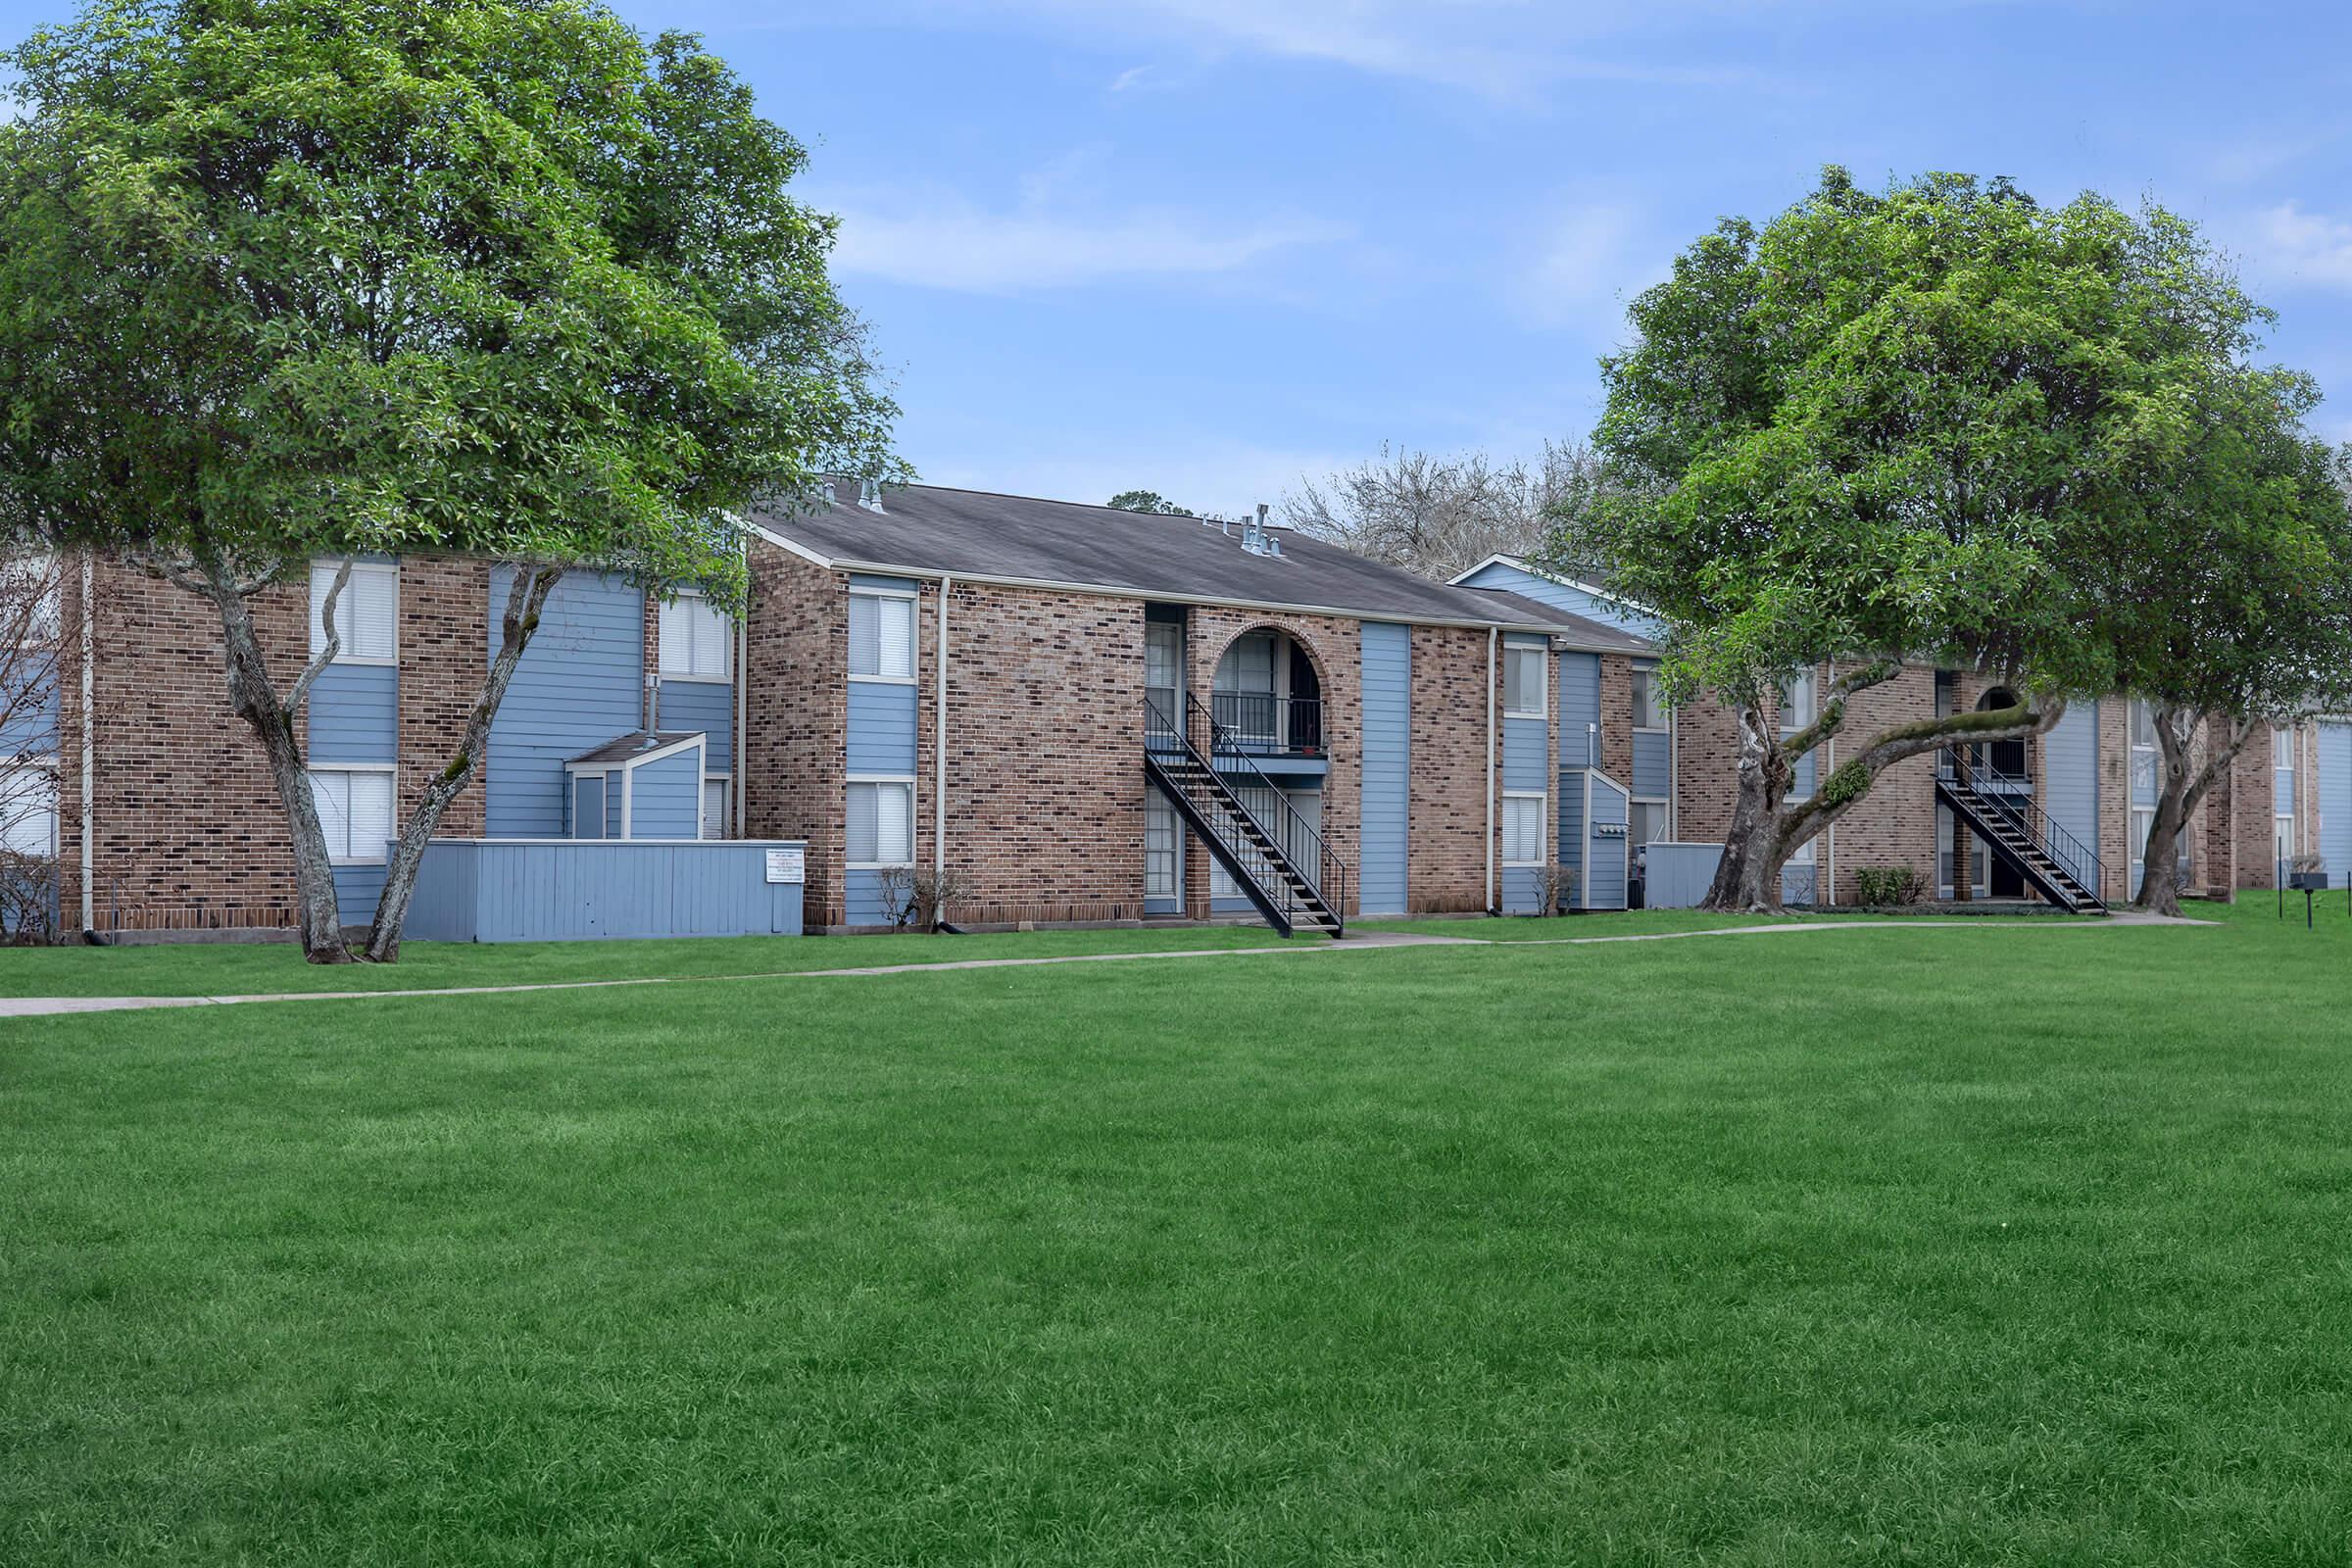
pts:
pixel 206 970
pixel 1916 1246
pixel 1654 922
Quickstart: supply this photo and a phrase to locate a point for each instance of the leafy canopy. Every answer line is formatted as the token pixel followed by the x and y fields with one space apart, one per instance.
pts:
pixel 1145 500
pixel 384 274
pixel 1899 424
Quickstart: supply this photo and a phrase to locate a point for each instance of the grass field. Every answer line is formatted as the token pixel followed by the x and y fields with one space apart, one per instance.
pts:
pixel 1956 1244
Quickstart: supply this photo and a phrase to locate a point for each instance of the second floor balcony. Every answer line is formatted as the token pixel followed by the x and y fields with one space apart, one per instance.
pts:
pixel 1267 722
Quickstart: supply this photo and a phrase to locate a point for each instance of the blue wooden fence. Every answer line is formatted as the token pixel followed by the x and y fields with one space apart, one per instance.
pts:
pixel 563 890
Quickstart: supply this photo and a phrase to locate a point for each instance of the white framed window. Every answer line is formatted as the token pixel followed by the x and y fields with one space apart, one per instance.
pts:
pixel 693 639
pixel 881 823
pixel 1797 701
pixel 29 808
pixel 1649 822
pixel 1163 666
pixel 1649 709
pixel 715 797
pixel 366 617
pixel 1523 828
pixel 21 578
pixel 881 635
pixel 1523 683
pixel 355 813
pixel 1160 847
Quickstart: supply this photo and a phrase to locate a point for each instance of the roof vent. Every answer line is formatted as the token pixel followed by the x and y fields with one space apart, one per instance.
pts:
pixel 1256 537
pixel 869 494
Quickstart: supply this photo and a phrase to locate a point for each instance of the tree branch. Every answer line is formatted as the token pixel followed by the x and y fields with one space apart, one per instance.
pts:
pixel 334 640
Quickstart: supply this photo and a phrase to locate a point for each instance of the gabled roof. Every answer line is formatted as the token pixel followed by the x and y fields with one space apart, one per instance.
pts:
pixel 638 746
pixel 924 530
pixel 1503 558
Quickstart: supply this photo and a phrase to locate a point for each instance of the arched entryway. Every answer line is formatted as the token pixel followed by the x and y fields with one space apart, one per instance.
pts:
pixel 1268 695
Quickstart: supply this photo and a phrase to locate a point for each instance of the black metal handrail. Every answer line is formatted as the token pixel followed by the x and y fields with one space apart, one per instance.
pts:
pixel 1297 840
pixel 2014 797
pixel 1265 721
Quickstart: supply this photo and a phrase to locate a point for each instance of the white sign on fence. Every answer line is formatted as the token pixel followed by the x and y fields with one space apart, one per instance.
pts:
pixel 788 864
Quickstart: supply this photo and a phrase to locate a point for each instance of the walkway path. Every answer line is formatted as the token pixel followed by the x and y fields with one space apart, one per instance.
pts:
pixel 1365 942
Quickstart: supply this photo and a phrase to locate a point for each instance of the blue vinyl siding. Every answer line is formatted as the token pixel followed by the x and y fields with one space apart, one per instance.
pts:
pixel 1801 775
pixel 862 898
pixel 580 683
pixel 707 706
pixel 487 890
pixel 1521 889
pixel 1605 853
pixel 1653 766
pixel 357 888
pixel 616 786
pixel 1561 596
pixel 353 714
pixel 1579 705
pixel 2071 780
pixel 1388 656
pixel 2336 802
pixel 666 796
pixel 881 728
pixel 1526 754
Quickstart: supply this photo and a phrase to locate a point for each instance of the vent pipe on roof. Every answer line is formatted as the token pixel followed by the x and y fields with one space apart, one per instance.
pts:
pixel 869 494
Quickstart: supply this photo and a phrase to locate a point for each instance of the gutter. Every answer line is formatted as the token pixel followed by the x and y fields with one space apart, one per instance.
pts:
pixel 1493 636
pixel 882 568
pixel 89 808
pixel 939 744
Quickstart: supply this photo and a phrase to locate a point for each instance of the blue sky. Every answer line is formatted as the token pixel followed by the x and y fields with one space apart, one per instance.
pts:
pixel 1207 246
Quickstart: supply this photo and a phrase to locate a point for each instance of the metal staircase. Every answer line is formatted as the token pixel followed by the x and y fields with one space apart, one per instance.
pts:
pixel 1283 865
pixel 2001 809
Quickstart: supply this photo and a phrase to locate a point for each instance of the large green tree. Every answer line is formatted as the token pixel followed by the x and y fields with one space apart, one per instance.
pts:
pixel 502 277
pixel 1888 428
pixel 2229 608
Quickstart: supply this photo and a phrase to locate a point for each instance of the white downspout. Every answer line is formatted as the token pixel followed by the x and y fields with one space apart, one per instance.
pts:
pixel 1674 776
pixel 89 810
pixel 739 762
pixel 1492 635
pixel 939 740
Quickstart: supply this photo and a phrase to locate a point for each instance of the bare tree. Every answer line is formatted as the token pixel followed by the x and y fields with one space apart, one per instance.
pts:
pixel 32 667
pixel 1438 515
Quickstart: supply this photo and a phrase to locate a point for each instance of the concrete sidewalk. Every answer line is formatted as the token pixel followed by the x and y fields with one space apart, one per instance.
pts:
pixel 1366 942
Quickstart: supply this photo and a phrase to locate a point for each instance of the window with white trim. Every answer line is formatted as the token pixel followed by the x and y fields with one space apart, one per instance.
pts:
pixel 355 813
pixel 1523 680
pixel 881 823
pixel 366 616
pixel 1523 829
pixel 1160 847
pixel 1796 701
pixel 21 577
pixel 1648 821
pixel 881 635
pixel 715 797
pixel 28 810
pixel 2145 770
pixel 693 639
pixel 1649 708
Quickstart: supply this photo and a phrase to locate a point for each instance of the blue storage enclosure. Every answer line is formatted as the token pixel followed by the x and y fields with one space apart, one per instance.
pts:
pixel 567 890
pixel 1594 833
pixel 2335 801
pixel 645 785
pixel 1678 875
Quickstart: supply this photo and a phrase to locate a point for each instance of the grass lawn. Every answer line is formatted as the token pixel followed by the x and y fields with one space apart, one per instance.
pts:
pixel 1917 1246
pixel 204 970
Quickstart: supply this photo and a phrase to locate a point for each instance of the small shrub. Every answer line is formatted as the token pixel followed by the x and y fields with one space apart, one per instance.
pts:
pixel 916 898
pixel 1555 886
pixel 29 898
pixel 1891 887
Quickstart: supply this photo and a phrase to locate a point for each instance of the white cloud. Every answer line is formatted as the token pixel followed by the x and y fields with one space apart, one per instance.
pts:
pixel 2310 248
pixel 947 242
pixel 1584 264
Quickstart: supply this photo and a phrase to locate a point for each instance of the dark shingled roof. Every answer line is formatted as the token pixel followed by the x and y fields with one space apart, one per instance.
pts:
pixel 928 529
pixel 622 748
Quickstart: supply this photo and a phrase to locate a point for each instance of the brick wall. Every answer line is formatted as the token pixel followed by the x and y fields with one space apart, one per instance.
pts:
pixel 1895 823
pixel 1045 787
pixel 1447 839
pixel 444 659
pixel 189 834
pixel 796 717
pixel 1706 784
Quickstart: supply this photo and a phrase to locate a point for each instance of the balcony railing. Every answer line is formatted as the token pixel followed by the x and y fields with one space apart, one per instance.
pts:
pixel 1261 722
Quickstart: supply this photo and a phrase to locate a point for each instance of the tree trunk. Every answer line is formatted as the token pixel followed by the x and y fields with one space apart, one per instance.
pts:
pixel 525 598
pixel 253 697
pixel 2181 792
pixel 1963 861
pixel 1798 823
pixel 1763 780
